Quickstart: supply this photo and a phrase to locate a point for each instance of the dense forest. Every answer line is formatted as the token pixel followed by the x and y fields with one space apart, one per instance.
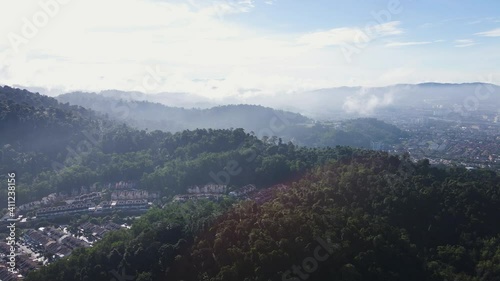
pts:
pixel 325 212
pixel 257 119
pixel 56 147
pixel 363 216
pixel 156 116
pixel 360 132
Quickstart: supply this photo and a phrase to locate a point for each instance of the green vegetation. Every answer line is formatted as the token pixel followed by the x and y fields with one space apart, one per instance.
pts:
pixel 384 217
pixel 55 147
pixel 361 132
pixel 156 116
pixel 389 219
pixel 260 120
pixel 155 241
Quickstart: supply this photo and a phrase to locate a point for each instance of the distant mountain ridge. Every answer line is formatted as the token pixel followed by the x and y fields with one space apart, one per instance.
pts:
pixel 323 103
pixel 345 102
pixel 144 114
pixel 39 123
pixel 55 146
pixel 262 121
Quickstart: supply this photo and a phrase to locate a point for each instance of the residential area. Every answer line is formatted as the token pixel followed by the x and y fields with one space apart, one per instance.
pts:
pixel 443 138
pixel 39 246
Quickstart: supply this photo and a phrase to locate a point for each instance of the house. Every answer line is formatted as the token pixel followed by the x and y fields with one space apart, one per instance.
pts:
pixel 6 275
pixel 139 204
pixel 208 188
pixel 75 208
pixel 243 190
pixel 186 197
pixel 133 194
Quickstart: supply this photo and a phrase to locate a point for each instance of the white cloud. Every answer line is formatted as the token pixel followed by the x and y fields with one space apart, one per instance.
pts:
pixel 86 46
pixel 403 44
pixel 350 35
pixel 464 43
pixel 483 20
pixel 474 22
pixel 195 43
pixel 366 103
pixel 427 25
pixel 385 29
pixel 192 45
pixel 490 33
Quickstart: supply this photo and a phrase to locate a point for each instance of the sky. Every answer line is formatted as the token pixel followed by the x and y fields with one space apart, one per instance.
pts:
pixel 221 48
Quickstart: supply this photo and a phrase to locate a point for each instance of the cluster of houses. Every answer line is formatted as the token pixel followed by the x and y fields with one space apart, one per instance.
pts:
pixel 52 241
pixel 24 265
pixel 91 208
pixel 208 188
pixel 187 197
pixel 243 191
pixel 49 241
pixel 78 208
pixel 133 194
pixel 98 231
pixel 88 197
pixel 208 191
pixel 6 275
pixel 47 200
pixel 84 194
pixel 138 204
pixel 213 192
pixel 29 206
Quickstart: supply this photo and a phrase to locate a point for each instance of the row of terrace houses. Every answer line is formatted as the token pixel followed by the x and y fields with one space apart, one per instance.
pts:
pixel 98 231
pixel 64 210
pixel 6 275
pixel 186 197
pixel 208 188
pixel 139 204
pixel 243 190
pixel 133 194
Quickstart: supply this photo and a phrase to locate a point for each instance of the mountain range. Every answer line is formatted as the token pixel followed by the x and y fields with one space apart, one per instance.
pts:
pixel 338 102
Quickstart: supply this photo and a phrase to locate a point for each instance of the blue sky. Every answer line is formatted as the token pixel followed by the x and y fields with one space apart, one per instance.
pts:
pixel 220 48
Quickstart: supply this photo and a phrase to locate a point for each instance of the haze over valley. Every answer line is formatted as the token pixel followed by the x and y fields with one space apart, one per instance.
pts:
pixel 249 140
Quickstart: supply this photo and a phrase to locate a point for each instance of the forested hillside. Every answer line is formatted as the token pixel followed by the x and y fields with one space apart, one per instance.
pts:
pixel 56 147
pixel 35 123
pixel 363 216
pixel 40 136
pixel 156 116
pixel 257 119
pixel 320 213
pixel 361 132
pixel 384 219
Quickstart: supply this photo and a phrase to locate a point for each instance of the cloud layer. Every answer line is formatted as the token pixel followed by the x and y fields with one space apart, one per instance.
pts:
pixel 207 48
